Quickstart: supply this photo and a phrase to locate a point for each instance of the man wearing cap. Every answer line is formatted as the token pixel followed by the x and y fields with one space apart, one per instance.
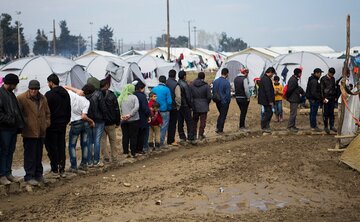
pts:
pixel 293 95
pixel 328 95
pixel 242 95
pixel 313 94
pixel 266 97
pixel 36 112
pixel 11 123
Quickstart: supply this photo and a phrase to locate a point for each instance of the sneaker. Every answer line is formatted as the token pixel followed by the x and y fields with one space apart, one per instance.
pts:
pixel 83 167
pixel 193 142
pixel 243 129
pixel 316 129
pixel 219 131
pixel 90 165
pixel 333 129
pixel 327 131
pixel 202 137
pixel 33 182
pixel 73 170
pixel 293 129
pixel 11 178
pixel 182 140
pixel 266 130
pixel 98 164
pixel 174 144
pixel 4 181
pixel 62 175
pixel 53 175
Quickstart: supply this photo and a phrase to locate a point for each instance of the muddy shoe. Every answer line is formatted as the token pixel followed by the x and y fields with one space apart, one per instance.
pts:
pixel 333 129
pixel 327 131
pixel 4 181
pixel 11 178
pixel 33 182
pixel 202 137
pixel 316 129
pixel 53 175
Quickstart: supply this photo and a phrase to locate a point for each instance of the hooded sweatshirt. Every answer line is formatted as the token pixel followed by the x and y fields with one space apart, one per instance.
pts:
pixel 60 107
pixel 201 94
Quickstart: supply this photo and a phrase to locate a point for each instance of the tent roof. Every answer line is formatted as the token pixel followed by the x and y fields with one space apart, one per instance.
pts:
pixel 292 49
pixel 97 52
pixel 263 52
pixel 134 52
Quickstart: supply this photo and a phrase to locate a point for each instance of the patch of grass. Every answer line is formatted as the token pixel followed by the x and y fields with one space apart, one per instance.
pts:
pixel 209 76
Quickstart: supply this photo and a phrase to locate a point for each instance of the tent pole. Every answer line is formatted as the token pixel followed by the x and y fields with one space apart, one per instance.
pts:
pixel 343 81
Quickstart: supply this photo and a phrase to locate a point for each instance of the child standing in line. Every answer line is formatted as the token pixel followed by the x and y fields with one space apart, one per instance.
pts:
pixel 278 89
pixel 155 123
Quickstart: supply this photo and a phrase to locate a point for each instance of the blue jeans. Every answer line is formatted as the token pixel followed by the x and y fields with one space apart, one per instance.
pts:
pixel 82 129
pixel 164 127
pixel 95 141
pixel 7 149
pixel 146 139
pixel 278 108
pixel 314 107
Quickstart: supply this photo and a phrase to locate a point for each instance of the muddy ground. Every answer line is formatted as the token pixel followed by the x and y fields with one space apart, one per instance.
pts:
pixel 257 178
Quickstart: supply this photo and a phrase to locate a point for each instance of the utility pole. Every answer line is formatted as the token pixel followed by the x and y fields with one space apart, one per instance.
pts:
pixel 91 36
pixel 189 39
pixel 54 37
pixel 168 31
pixel 19 37
pixel 1 41
pixel 195 37
pixel 78 46
pixel 151 45
pixel 122 46
pixel 118 47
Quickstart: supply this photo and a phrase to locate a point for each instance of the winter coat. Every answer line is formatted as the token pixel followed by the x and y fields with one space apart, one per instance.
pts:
pixel 294 91
pixel 58 100
pixel 10 115
pixel 144 111
pixel 175 93
pixel 163 97
pixel 313 89
pixel 201 94
pixel 130 106
pixel 186 97
pixel 223 88
pixel 241 84
pixel 156 118
pixel 97 108
pixel 266 93
pixel 36 115
pixel 327 85
pixel 112 116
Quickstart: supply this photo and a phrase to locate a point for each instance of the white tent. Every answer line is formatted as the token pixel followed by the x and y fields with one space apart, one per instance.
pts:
pixel 40 67
pixel 285 65
pixel 153 67
pixel 117 70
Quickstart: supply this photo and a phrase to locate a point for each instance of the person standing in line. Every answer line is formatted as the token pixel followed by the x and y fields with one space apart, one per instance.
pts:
pixel 293 95
pixel 129 111
pixel 60 113
pixel 313 94
pixel 144 114
pixel 222 98
pixel 266 97
pixel 112 121
pixel 155 124
pixel 36 112
pixel 163 97
pixel 278 90
pixel 11 123
pixel 328 94
pixel 242 95
pixel 201 94
pixel 176 103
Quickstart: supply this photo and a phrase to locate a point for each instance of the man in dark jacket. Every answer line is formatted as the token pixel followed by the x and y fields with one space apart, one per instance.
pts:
pixel 313 94
pixel 293 95
pixel 144 114
pixel 176 103
pixel 11 123
pixel 328 95
pixel 185 110
pixel 266 98
pixel 242 95
pixel 222 98
pixel 60 112
pixel 201 94
pixel 112 120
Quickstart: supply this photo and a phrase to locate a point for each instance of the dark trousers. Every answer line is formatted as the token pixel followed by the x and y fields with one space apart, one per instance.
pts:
pixel 129 135
pixel 174 115
pixel 185 116
pixel 33 150
pixel 265 121
pixel 7 149
pixel 140 139
pixel 223 109
pixel 293 114
pixel 55 146
pixel 328 113
pixel 243 106
pixel 314 107
pixel 202 117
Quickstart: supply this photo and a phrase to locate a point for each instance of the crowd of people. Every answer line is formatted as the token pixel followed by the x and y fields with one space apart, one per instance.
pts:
pixel 148 123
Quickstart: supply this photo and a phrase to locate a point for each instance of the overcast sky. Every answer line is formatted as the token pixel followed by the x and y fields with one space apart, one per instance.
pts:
pixel 260 23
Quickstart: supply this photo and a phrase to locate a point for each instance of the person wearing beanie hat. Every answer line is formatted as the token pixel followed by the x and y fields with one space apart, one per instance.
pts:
pixel 328 94
pixel 36 112
pixel 11 123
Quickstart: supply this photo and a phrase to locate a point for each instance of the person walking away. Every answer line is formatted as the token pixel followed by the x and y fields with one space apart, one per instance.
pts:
pixel 11 123
pixel 176 103
pixel 185 110
pixel 313 94
pixel 155 124
pixel 58 100
pixel 129 111
pixel 144 114
pixel 266 98
pixel 97 111
pixel 293 95
pixel 328 95
pixel 163 97
pixel 36 113
pixel 112 121
pixel 222 98
pixel 278 90
pixel 242 95
pixel 201 94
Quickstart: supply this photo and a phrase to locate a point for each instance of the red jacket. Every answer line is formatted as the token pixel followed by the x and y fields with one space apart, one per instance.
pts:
pixel 156 118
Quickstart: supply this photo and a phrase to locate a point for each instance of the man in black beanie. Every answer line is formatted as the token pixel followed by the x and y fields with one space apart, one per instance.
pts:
pixel 11 123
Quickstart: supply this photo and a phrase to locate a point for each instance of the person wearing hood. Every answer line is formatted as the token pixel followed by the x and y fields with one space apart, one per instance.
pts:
pixel 242 95
pixel 60 113
pixel 201 94
pixel 313 94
